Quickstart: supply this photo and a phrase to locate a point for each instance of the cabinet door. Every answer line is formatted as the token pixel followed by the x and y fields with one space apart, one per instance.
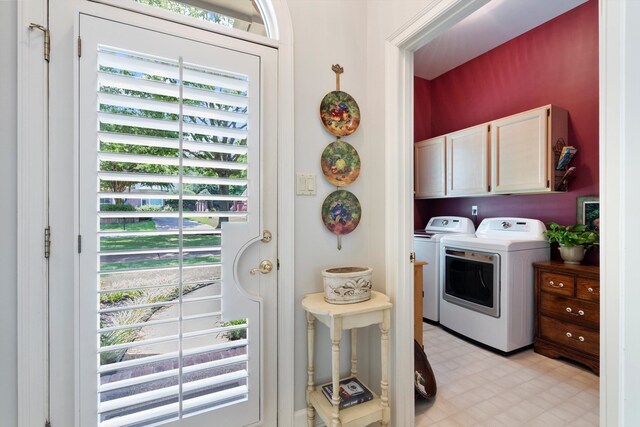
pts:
pixel 468 161
pixel 519 152
pixel 430 168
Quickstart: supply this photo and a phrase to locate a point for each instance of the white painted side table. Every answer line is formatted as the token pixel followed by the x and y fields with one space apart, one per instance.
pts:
pixel 340 317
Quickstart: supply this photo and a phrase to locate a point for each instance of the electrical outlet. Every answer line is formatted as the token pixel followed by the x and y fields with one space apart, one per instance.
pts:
pixel 474 211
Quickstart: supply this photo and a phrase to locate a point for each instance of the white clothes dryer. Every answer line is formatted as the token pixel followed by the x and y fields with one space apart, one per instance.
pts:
pixel 426 245
pixel 487 281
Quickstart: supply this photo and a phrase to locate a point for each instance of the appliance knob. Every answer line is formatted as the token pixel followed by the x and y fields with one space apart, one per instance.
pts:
pixel 445 222
pixel 506 224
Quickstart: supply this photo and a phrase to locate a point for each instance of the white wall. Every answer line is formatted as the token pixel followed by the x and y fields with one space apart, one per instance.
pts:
pixel 630 153
pixel 325 33
pixel 8 171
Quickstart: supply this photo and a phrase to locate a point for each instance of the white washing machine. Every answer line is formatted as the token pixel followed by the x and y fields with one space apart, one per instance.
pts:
pixel 426 245
pixel 487 281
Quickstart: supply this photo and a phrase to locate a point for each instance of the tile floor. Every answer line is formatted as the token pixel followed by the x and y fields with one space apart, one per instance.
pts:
pixel 477 387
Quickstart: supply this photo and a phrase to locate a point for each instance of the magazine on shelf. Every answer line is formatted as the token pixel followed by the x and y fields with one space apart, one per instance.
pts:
pixel 352 392
pixel 566 155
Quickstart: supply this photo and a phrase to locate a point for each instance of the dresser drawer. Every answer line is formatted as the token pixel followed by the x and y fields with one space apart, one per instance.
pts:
pixel 588 289
pixel 571 309
pixel 560 284
pixel 570 335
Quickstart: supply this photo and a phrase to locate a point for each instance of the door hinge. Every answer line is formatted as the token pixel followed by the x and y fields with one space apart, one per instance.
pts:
pixel 412 257
pixel 47 242
pixel 488 188
pixel 548 183
pixel 548 112
pixel 79 243
pixel 79 47
pixel 488 128
pixel 47 39
pixel 278 264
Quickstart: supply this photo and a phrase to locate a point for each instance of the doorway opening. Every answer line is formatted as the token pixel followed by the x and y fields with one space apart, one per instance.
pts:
pixel 433 208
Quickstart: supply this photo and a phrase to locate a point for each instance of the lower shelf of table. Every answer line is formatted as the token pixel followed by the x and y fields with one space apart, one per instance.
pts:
pixel 359 415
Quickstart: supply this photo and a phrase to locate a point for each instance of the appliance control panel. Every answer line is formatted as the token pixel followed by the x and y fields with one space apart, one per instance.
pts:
pixel 521 226
pixel 450 224
pixel 512 228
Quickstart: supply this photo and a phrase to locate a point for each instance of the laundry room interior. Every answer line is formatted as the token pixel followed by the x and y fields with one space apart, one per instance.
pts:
pixel 506 144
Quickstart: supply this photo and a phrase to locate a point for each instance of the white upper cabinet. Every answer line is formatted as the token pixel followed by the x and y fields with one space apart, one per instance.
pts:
pixel 468 161
pixel 429 170
pixel 515 154
pixel 522 154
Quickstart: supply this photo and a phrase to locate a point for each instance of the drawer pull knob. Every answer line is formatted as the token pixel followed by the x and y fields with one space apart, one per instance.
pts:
pixel 580 337
pixel 593 291
pixel 579 313
pixel 553 284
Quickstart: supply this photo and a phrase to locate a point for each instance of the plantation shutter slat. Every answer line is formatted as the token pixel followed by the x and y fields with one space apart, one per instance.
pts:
pixel 116 233
pixel 170 90
pixel 159 394
pixel 163 196
pixel 137 102
pixel 164 321
pixel 202 265
pixel 172 160
pixel 189 404
pixel 149 141
pixel 166 374
pixel 156 358
pixel 110 291
pixel 157 160
pixel 168 179
pixel 153 67
pixel 143 215
pixel 148 305
pixel 160 250
pixel 171 125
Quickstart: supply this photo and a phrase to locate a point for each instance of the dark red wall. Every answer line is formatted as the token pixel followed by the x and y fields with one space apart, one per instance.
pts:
pixel 422 111
pixel 555 63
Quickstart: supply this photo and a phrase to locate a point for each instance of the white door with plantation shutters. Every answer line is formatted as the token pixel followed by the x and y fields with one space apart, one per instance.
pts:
pixel 176 202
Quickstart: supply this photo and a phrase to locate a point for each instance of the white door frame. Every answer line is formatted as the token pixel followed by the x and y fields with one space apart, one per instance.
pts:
pixel 32 319
pixel 437 17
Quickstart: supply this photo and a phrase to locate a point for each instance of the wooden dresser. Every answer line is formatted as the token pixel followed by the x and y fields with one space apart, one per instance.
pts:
pixel 567 322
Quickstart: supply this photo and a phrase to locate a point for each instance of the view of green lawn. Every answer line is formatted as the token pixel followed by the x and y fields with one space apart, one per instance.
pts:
pixel 148 225
pixel 156 263
pixel 157 242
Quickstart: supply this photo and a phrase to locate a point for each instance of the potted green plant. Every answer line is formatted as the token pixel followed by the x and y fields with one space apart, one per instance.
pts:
pixel 574 240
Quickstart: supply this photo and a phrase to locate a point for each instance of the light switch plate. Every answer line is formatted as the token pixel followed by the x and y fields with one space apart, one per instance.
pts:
pixel 305 184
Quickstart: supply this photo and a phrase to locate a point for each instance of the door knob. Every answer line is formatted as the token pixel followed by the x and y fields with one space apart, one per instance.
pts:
pixel 265 267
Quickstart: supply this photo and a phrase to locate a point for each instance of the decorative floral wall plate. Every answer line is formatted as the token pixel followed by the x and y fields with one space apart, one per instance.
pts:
pixel 340 113
pixel 341 212
pixel 340 163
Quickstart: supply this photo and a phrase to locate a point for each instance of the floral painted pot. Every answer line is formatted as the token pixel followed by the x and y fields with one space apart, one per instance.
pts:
pixel 347 285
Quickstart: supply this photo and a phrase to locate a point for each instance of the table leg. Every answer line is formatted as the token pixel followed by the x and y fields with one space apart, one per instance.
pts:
pixel 384 383
pixel 310 369
pixel 354 352
pixel 336 335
